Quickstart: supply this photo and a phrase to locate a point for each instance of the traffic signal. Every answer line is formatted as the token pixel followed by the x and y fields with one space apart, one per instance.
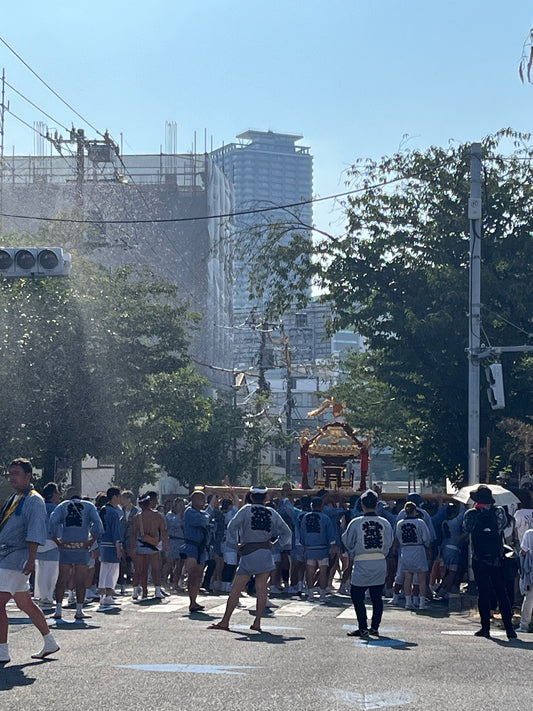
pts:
pixel 495 391
pixel 23 262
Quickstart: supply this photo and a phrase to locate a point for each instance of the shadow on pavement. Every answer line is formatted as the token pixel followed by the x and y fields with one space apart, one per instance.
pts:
pixel 13 676
pixel 266 637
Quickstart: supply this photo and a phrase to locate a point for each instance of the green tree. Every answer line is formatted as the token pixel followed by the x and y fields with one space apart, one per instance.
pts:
pixel 78 358
pixel 210 443
pixel 399 276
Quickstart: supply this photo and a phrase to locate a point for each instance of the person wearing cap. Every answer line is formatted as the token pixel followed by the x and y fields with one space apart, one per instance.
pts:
pixel 75 526
pixel 318 537
pixel 23 527
pixel 368 539
pixel 485 523
pixel 252 531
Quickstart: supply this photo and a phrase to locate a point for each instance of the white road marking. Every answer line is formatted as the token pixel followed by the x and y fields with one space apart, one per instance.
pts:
pixel 367 702
pixel 187 668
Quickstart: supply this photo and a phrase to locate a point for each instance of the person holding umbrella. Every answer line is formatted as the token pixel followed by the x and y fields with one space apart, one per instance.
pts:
pixel 485 524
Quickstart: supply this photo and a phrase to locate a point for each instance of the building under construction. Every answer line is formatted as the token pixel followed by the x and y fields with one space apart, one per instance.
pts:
pixel 167 211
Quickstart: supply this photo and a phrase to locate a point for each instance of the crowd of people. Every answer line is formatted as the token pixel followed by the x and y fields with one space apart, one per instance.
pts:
pixel 411 552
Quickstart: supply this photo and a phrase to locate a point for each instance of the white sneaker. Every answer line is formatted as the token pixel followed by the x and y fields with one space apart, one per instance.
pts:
pixel 50 647
pixel 108 601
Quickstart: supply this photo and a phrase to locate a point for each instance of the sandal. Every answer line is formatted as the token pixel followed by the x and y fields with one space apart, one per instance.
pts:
pixel 196 608
pixel 218 626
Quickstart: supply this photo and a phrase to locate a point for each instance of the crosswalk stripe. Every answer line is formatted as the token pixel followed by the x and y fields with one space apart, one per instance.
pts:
pixel 244 604
pixel 295 609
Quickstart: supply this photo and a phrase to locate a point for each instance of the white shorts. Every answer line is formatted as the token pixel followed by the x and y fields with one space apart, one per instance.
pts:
pixel 108 575
pixel 320 563
pixel 13 581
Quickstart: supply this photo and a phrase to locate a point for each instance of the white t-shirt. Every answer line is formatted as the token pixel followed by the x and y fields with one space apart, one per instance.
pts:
pixel 523 520
pixel 526 544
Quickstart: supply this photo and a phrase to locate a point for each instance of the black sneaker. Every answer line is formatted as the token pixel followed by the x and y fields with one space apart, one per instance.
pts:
pixel 482 633
pixel 363 634
pixel 373 632
pixel 511 634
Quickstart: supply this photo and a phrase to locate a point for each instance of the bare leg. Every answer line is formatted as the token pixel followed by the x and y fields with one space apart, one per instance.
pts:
pixel 80 582
pixel 194 573
pixel 155 561
pixel 408 583
pixel 237 587
pixel 310 571
pixel 143 567
pixel 323 577
pixel 62 581
pixel 261 590
pixel 25 604
pixel 5 597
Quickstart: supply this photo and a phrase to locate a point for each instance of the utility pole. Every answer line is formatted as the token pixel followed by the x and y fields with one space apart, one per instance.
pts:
pixel 288 405
pixel 474 318
pixel 264 389
pixel 79 138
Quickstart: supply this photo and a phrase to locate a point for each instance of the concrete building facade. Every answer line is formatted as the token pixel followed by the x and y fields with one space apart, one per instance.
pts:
pixel 161 211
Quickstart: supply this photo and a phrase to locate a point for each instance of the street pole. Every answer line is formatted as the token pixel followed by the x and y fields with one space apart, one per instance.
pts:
pixel 288 405
pixel 79 137
pixel 474 319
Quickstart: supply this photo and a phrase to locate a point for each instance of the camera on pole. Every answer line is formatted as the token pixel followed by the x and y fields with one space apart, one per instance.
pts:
pixel 21 262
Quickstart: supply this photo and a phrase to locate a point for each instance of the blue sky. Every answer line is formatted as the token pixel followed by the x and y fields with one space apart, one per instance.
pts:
pixel 352 76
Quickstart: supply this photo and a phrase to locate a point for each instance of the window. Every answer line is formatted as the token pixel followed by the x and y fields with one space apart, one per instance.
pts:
pixel 301 319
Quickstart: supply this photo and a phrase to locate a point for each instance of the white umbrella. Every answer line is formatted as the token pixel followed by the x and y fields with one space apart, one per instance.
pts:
pixel 502 496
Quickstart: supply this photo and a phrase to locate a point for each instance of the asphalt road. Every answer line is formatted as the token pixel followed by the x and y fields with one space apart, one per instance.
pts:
pixel 157 656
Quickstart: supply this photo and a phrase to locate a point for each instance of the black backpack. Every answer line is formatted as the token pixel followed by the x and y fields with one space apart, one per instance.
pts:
pixel 487 542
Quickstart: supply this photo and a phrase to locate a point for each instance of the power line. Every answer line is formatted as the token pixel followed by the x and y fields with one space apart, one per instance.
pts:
pixel 105 136
pixel 49 87
pixel 35 106
pixel 237 213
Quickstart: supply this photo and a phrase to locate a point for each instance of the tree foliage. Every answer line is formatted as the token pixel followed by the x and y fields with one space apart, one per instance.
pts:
pixel 399 276
pixel 83 359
